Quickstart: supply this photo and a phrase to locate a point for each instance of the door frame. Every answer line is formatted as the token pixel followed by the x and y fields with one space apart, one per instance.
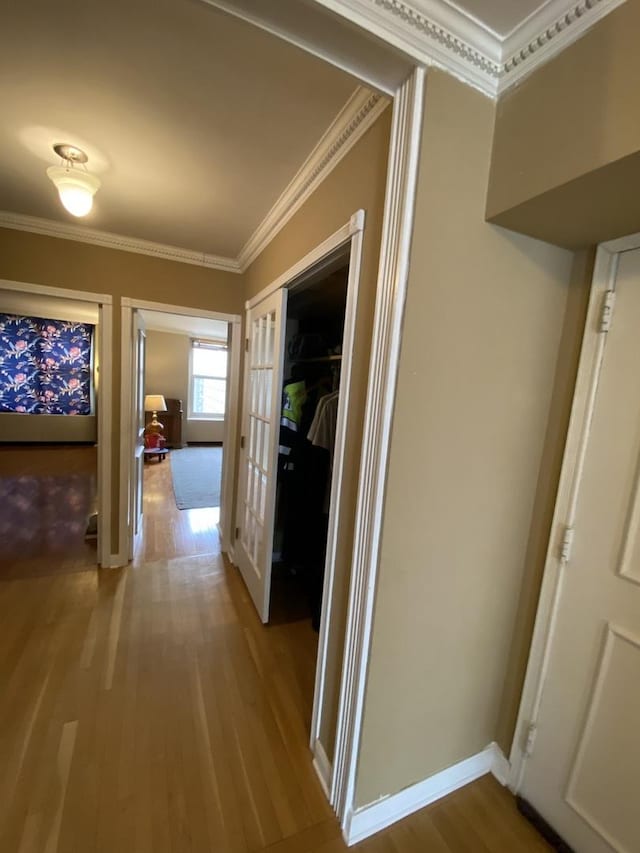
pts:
pixel 127 414
pixel 104 302
pixel 136 493
pixel 391 288
pixel 562 525
pixel 352 232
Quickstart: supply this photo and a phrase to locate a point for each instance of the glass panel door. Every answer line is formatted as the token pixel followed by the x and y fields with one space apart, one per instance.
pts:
pixel 261 418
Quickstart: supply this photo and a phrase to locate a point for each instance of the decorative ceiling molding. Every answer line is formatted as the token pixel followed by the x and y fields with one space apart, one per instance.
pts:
pixel 354 119
pixel 82 234
pixel 547 33
pixel 438 33
pixel 352 122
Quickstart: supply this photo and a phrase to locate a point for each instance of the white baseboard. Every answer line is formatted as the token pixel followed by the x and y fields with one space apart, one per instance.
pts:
pixel 372 818
pixel 500 767
pixel 116 561
pixel 322 766
pixel 231 554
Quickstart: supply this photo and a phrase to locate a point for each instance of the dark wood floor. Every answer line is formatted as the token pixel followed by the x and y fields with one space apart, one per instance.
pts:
pixel 147 709
pixel 46 497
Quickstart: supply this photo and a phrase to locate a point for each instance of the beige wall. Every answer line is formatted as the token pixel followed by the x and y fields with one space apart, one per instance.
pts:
pixel 77 266
pixel 167 372
pixel 357 182
pixel 37 429
pixel 483 325
pixel 546 489
pixel 569 133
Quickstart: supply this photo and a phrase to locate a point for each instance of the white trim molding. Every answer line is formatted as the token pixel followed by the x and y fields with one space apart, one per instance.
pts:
pixel 546 33
pixel 352 122
pixel 127 467
pixel 82 234
pixel 354 119
pixel 322 766
pixel 331 244
pixel 393 270
pixel 372 818
pixel 438 33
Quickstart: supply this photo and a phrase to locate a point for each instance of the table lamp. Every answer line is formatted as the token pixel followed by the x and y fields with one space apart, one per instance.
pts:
pixel 154 403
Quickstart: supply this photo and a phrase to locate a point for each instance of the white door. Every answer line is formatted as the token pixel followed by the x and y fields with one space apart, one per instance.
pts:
pixel 583 775
pixel 259 454
pixel 138 425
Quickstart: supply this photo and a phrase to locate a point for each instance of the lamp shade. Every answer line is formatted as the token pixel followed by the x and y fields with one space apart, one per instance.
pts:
pixel 154 403
pixel 76 188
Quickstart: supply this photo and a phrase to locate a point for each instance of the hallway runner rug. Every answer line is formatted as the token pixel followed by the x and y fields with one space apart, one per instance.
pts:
pixel 196 472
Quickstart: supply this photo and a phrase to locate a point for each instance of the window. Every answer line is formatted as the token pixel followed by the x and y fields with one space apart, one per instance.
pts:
pixel 208 380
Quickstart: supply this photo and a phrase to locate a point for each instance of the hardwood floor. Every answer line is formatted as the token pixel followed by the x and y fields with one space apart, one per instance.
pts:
pixel 46 496
pixel 169 531
pixel 147 709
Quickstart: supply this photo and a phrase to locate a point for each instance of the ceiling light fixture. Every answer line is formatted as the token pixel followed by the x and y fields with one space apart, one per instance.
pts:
pixel 76 187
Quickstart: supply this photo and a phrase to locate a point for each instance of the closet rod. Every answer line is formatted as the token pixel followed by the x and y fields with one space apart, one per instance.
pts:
pixel 319 358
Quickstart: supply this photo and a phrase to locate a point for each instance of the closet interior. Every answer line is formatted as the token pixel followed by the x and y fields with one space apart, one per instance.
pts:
pixel 312 368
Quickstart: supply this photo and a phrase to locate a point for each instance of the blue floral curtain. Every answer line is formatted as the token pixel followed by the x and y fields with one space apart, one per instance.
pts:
pixel 45 366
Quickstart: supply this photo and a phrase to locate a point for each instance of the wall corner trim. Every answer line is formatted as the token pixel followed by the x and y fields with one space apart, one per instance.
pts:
pixel 374 817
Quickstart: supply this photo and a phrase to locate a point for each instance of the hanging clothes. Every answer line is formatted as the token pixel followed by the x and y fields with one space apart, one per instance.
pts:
pixel 294 397
pixel 322 434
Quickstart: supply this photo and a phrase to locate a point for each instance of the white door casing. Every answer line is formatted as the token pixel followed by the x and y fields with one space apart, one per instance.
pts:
pixel 259 455
pixel 127 413
pixel 583 770
pixel 138 427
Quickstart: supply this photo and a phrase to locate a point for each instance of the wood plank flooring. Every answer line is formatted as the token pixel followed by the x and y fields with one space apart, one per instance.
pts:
pixel 169 531
pixel 147 709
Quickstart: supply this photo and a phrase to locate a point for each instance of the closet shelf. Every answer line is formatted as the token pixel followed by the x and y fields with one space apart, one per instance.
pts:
pixel 318 359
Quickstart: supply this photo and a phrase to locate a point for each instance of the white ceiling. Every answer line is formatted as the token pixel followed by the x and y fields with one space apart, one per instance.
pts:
pixel 178 324
pixel 194 120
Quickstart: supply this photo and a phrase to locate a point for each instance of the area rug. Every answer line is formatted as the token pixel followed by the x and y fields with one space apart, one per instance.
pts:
pixel 195 472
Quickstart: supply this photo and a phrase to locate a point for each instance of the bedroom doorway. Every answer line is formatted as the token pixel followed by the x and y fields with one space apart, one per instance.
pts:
pixel 179 378
pixel 54 410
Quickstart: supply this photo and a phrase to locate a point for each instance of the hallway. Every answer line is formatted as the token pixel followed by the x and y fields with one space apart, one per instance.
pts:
pixel 147 709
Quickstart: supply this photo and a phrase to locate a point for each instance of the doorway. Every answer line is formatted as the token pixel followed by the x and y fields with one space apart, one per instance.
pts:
pixel 576 755
pixel 300 334
pixel 179 378
pixel 55 419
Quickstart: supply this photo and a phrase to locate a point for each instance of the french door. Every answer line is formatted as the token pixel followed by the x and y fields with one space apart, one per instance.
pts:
pixel 259 453
pixel 583 774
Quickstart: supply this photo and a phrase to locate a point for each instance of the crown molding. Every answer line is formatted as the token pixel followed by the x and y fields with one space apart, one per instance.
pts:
pixel 354 119
pixel 434 34
pixel 438 33
pixel 548 32
pixel 352 122
pixel 82 234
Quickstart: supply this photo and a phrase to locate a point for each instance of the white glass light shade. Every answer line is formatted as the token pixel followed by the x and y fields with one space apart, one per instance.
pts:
pixel 76 188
